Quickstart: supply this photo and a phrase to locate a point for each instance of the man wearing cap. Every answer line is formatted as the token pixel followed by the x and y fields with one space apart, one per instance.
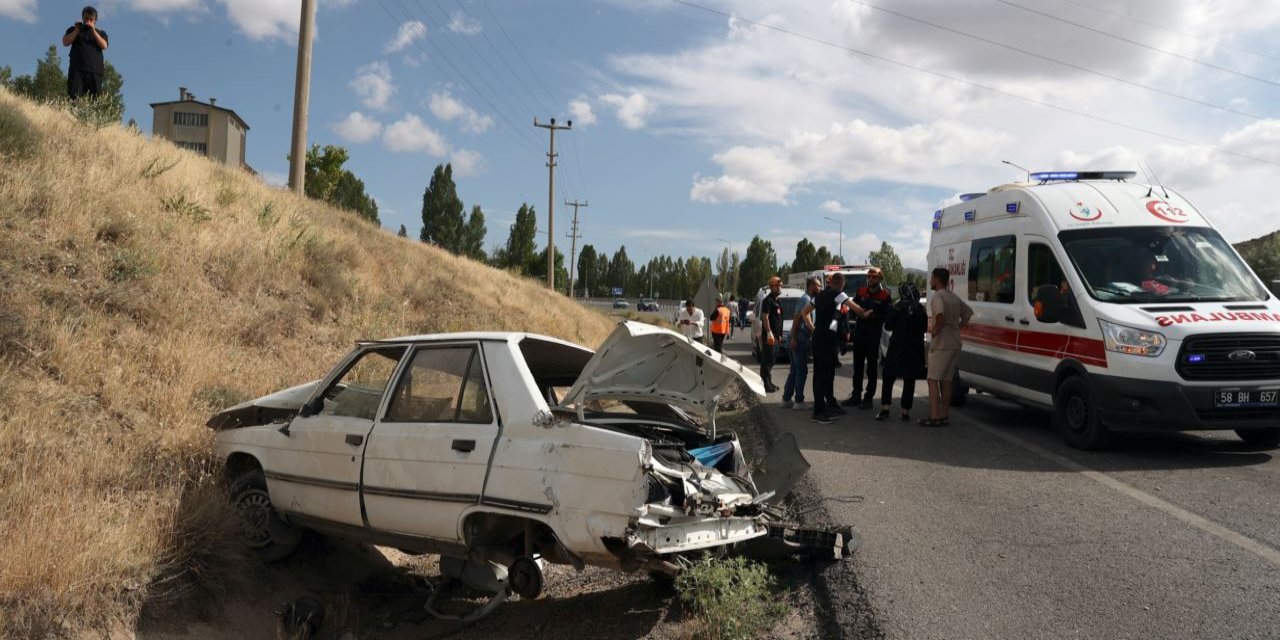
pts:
pixel 87 43
pixel 875 301
pixel 720 324
pixel 770 332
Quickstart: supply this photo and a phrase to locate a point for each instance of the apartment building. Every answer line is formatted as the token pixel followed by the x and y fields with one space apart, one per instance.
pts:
pixel 202 127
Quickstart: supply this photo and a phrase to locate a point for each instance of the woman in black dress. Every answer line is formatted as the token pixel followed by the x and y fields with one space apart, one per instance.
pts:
pixel 904 359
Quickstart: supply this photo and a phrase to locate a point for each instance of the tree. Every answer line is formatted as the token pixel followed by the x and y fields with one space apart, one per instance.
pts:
pixel 520 243
pixel 586 267
pixel 822 257
pixel 621 270
pixel 726 266
pixel 473 235
pixel 6 75
pixel 326 180
pixel 806 257
pixel 537 266
pixel 761 263
pixel 442 218
pixel 404 233
pixel 696 271
pixel 49 84
pixel 889 262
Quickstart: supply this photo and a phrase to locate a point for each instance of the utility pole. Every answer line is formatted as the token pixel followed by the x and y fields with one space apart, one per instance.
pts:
pixel 573 251
pixel 301 98
pixel 551 197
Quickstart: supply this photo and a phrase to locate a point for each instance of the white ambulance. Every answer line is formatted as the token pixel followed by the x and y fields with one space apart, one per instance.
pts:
pixel 1116 305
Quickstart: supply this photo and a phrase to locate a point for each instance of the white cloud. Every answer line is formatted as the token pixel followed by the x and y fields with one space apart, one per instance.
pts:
pixel 580 112
pixel 444 106
pixel 632 110
pixel 264 19
pixel 461 23
pixel 162 6
pixel 20 10
pixel 274 179
pixel 409 32
pixel 411 135
pixel 466 162
pixel 834 206
pixel 357 128
pixel 373 85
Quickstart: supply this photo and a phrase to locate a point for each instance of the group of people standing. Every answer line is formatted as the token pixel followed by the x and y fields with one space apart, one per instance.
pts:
pixel 691 322
pixel 828 319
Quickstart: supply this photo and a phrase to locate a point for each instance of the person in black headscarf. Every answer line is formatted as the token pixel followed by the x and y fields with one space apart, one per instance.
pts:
pixel 904 359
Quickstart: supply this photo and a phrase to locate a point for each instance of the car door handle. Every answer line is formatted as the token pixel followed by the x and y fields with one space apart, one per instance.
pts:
pixel 355 439
pixel 1008 318
pixel 1024 321
pixel 465 446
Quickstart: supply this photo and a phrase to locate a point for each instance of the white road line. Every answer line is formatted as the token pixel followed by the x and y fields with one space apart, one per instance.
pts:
pixel 1208 526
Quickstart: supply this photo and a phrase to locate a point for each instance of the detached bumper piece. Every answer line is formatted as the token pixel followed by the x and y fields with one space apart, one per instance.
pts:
pixel 785 541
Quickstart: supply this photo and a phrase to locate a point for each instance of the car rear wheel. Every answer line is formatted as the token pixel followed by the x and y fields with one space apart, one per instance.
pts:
pixel 1266 437
pixel 1076 417
pixel 268 535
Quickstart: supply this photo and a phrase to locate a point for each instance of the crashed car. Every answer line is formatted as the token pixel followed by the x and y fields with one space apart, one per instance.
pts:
pixel 514 449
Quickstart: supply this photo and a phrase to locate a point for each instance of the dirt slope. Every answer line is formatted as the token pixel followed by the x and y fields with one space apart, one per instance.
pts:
pixel 143 287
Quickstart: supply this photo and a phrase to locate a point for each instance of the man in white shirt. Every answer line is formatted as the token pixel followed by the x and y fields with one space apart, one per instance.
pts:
pixel 690 321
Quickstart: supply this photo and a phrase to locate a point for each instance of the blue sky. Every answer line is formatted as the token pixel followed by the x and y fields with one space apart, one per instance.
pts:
pixel 692 128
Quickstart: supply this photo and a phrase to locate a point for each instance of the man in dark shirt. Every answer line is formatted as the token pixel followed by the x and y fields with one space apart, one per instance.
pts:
pixel 875 299
pixel 87 43
pixel 771 332
pixel 826 308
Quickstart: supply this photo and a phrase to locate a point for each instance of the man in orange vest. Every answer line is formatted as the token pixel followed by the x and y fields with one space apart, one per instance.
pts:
pixel 720 324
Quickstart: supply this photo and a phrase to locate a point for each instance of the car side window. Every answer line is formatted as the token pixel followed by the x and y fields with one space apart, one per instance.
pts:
pixel 992 272
pixel 358 392
pixel 442 384
pixel 1043 269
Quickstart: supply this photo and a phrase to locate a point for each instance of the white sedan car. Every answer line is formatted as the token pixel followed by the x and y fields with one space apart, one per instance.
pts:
pixel 509 448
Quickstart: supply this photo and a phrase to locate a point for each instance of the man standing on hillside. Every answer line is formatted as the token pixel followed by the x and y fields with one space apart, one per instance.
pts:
pixel 87 43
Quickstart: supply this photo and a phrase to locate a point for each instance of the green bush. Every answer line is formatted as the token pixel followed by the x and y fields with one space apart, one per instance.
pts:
pixel 732 598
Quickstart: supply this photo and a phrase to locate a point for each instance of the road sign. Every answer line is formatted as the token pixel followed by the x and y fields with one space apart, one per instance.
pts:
pixel 617 291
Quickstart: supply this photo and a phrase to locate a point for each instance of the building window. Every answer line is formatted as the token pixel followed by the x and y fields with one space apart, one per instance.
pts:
pixel 991 270
pixel 191 119
pixel 198 147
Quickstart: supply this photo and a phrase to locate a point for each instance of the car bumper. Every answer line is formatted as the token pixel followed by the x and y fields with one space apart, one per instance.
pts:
pixel 703 534
pixel 1128 404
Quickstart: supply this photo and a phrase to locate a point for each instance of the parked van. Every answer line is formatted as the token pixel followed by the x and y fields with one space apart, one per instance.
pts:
pixel 1116 305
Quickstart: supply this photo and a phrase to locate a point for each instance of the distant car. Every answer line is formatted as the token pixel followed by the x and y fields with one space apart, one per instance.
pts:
pixel 621 304
pixel 647 304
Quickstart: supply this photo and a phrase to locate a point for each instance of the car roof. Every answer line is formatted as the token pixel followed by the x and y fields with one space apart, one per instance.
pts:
pixel 484 336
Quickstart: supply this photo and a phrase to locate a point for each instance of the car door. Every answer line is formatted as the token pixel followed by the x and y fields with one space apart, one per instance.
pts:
pixel 426 459
pixel 317 473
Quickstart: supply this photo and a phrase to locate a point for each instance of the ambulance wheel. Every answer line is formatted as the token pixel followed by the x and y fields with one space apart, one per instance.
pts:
pixel 1075 416
pixel 1266 437
pixel 959 392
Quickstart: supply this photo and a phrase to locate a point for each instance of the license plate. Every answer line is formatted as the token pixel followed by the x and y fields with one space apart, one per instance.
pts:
pixel 1246 398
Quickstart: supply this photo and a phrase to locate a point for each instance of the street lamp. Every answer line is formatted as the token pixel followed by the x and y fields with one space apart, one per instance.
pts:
pixel 839 247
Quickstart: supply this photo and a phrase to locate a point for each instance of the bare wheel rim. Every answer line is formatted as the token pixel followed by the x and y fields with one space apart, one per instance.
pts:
pixel 1077 412
pixel 255 511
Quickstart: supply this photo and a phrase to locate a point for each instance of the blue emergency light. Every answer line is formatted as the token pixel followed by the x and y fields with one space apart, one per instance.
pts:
pixel 970 215
pixel 1012 207
pixel 1052 176
pixel 1195 358
pixel 937 215
pixel 937 224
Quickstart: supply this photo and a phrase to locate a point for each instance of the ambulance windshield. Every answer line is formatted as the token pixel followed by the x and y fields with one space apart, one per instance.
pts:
pixel 1129 265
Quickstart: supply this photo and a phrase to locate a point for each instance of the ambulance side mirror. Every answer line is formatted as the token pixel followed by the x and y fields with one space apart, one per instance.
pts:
pixel 1049 304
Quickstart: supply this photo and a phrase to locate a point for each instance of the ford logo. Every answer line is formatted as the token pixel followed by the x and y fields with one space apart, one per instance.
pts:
pixel 1242 356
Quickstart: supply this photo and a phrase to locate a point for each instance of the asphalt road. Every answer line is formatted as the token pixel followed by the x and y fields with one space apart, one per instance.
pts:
pixel 995 528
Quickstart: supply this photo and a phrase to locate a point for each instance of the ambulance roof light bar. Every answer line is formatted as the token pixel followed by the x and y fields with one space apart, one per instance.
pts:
pixel 1044 177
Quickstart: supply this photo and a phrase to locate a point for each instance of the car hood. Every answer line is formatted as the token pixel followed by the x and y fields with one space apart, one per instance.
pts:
pixel 264 410
pixel 651 364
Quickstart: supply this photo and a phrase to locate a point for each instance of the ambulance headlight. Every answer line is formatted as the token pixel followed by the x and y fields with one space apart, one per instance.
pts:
pixel 1137 342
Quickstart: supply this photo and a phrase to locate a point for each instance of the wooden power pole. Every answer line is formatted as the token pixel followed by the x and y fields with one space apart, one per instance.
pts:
pixel 573 246
pixel 301 98
pixel 551 197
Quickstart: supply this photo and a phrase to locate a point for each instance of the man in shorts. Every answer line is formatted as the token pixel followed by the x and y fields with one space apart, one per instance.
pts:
pixel 948 314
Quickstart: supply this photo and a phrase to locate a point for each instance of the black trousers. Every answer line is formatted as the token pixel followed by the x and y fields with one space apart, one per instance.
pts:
pixel 824 371
pixel 717 341
pixel 908 392
pixel 866 361
pixel 768 355
pixel 80 83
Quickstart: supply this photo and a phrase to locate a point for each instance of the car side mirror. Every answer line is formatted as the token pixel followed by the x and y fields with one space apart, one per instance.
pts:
pixel 1049 304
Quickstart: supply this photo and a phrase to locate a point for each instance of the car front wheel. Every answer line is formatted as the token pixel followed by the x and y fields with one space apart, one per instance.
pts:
pixel 1266 437
pixel 1075 416
pixel 270 536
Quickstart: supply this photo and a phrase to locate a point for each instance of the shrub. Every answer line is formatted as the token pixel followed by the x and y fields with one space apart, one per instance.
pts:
pixel 731 598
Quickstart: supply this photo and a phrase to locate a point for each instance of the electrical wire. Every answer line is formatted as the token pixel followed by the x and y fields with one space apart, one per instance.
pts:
pixel 536 76
pixel 977 85
pixel 1077 67
pixel 519 78
pixel 1175 54
pixel 1153 25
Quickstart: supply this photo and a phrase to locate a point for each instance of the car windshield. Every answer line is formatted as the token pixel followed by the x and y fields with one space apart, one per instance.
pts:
pixel 789 307
pixel 1129 265
pixel 854 282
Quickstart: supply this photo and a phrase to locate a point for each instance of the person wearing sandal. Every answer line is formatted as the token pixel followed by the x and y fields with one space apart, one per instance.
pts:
pixel 948 314
pixel 907 321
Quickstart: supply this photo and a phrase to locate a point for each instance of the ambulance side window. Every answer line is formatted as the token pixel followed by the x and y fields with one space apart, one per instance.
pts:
pixel 1042 269
pixel 992 276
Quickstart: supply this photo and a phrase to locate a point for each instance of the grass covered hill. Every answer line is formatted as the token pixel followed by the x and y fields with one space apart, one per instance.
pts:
pixel 1263 254
pixel 142 288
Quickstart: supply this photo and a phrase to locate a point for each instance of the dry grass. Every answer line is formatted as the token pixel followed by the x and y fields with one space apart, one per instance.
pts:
pixel 143 287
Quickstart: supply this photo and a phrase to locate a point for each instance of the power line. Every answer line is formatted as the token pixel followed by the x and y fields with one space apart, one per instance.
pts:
pixel 1077 67
pixel 1135 43
pixel 976 85
pixel 1153 25
pixel 519 53
pixel 519 78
